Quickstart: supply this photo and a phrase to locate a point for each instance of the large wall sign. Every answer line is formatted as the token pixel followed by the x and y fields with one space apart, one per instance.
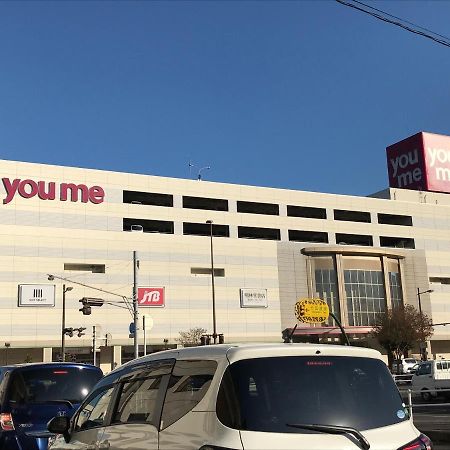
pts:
pixel 253 298
pixel 49 191
pixel 150 296
pixel 420 162
pixel 36 295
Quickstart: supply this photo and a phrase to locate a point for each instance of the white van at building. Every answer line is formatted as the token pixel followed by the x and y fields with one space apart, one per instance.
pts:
pixel 432 378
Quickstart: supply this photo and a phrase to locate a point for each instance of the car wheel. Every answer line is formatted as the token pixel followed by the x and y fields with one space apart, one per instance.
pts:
pixel 426 396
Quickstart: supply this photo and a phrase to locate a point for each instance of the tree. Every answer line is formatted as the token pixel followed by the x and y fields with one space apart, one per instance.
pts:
pixel 399 329
pixel 191 337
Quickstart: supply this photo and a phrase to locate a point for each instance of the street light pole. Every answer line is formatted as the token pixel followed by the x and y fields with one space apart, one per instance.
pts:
pixel 63 325
pixel 135 304
pixel 210 222
pixel 423 352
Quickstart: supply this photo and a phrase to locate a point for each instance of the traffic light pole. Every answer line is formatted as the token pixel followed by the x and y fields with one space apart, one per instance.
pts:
pixel 63 326
pixel 135 304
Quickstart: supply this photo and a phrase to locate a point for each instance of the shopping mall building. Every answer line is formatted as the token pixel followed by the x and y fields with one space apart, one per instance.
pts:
pixel 270 247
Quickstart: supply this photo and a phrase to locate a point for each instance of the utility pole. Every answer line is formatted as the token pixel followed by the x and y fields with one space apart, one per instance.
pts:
pixel 63 324
pixel 94 345
pixel 135 303
pixel 214 335
pixel 145 334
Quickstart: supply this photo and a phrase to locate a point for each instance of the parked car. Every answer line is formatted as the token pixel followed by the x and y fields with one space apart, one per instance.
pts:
pixel 31 394
pixel 432 378
pixel 401 366
pixel 247 397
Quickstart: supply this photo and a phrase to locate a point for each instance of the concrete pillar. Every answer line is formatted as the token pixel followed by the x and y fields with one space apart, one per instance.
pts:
pixel 47 354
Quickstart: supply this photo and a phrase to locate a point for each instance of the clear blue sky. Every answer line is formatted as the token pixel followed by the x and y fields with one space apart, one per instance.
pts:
pixel 301 95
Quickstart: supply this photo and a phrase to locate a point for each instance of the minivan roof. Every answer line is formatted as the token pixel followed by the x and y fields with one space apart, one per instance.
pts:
pixel 247 350
pixel 49 364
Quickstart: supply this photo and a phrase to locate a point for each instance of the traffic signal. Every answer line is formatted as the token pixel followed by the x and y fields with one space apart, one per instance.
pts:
pixel 85 309
pixel 87 302
pixel 205 340
pixel 221 339
pixel 68 332
pixel 80 331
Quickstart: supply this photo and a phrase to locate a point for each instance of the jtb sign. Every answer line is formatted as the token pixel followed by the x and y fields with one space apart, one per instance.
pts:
pixel 150 296
pixel 420 162
pixel 49 191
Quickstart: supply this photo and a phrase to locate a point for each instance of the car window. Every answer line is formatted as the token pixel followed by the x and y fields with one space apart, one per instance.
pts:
pixel 266 394
pixel 140 394
pixel 188 384
pixel 47 384
pixel 424 369
pixel 93 413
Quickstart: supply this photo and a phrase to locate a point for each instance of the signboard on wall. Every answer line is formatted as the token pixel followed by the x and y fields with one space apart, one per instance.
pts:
pixel 40 295
pixel 253 298
pixel 420 162
pixel 151 297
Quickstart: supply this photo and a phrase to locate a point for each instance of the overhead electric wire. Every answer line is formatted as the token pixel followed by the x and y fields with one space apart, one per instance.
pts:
pixel 389 18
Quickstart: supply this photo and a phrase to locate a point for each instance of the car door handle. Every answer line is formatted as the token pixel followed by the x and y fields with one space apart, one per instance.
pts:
pixel 104 445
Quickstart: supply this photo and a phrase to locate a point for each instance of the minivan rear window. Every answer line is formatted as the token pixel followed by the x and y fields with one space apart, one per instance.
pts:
pixel 267 394
pixel 50 384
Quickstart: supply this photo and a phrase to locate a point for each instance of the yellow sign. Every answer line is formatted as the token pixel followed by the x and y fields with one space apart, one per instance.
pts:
pixel 311 310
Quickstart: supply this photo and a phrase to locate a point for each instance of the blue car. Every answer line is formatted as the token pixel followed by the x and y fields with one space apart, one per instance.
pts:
pixel 31 394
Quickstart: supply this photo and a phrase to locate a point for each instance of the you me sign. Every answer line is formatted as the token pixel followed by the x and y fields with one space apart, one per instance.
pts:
pixel 420 162
pixel 51 190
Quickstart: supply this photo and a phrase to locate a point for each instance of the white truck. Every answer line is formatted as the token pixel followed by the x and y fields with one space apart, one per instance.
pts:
pixel 432 378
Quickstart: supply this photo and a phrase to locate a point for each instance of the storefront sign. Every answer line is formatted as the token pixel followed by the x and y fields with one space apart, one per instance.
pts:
pixel 49 191
pixel 311 310
pixel 253 298
pixel 36 295
pixel 151 296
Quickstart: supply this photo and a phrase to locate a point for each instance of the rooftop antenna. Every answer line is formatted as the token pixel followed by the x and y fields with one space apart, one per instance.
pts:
pixel 191 165
pixel 199 178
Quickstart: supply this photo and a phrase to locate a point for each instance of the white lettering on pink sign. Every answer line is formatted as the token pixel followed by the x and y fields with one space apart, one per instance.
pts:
pixel 439 159
pixel 404 161
pixel 48 191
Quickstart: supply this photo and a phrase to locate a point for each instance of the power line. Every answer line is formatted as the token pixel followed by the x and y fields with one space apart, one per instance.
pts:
pixel 397 21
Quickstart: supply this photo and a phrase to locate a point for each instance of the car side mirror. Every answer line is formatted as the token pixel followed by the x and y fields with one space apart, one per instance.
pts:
pixel 60 425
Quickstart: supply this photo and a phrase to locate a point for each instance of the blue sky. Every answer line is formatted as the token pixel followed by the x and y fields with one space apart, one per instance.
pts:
pixel 301 95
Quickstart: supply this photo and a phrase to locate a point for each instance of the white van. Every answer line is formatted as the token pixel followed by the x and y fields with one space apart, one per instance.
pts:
pixel 244 397
pixel 432 378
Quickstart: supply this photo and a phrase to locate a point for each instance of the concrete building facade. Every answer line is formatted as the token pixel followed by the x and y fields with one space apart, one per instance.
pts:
pixel 270 247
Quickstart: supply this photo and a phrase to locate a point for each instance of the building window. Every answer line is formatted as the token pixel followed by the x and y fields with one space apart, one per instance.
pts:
pixel 213 204
pixel 204 229
pixel 351 216
pixel 396 242
pixel 326 285
pixel 147 198
pixel 354 239
pixel 259 233
pixel 94 268
pixel 270 209
pixel 306 211
pixel 207 271
pixel 148 226
pixel 308 236
pixel 440 280
pixel 395 219
pixel 364 289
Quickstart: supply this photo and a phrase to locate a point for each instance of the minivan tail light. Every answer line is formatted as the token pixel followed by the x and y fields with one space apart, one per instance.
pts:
pixel 421 443
pixel 6 422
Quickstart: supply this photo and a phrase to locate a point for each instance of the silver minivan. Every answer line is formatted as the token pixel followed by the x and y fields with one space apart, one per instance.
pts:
pixel 244 397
